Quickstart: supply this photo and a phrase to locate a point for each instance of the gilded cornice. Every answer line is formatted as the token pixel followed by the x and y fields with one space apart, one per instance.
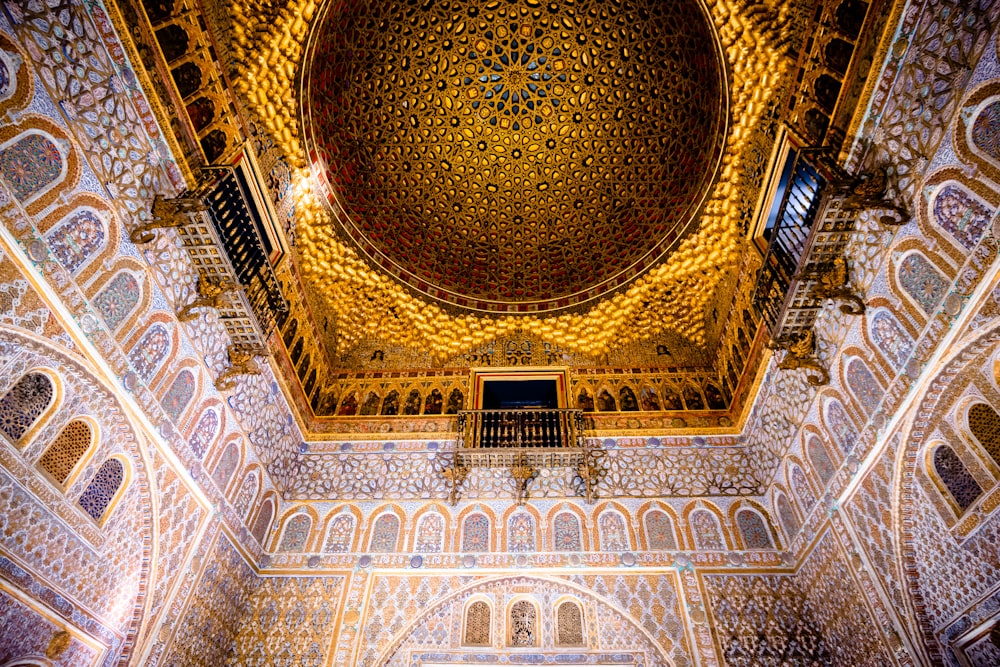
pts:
pixel 676 295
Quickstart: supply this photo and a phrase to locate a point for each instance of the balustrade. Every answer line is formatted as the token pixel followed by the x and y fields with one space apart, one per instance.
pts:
pixel 524 441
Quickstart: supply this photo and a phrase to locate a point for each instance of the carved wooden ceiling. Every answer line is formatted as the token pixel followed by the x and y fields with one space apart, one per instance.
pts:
pixel 646 178
pixel 515 156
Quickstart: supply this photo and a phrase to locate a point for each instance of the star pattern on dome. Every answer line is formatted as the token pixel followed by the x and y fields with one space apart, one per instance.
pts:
pixel 510 157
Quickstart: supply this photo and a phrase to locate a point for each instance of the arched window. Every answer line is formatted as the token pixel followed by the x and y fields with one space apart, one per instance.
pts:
pixel 75 240
pixel 97 497
pixel 148 354
pixel 523 622
pixel 430 533
pixel 246 495
pixel 65 452
pixel 118 298
pixel 705 528
pixel 569 624
pixel 753 530
pixel 840 426
pixel 385 534
pixel 819 457
pixel 922 282
pixel 24 403
pixel 984 422
pixel 659 531
pixel 204 432
pixel 340 534
pixel 890 337
pixel 613 533
pixel 226 466
pixel 31 165
pixel 263 521
pixel 477 624
pixel 789 521
pixel 521 532
pixel 863 385
pixel 179 395
pixel 962 486
pixel 566 532
pixel 984 134
pixel 296 533
pixel 804 492
pixel 961 214
pixel 476 533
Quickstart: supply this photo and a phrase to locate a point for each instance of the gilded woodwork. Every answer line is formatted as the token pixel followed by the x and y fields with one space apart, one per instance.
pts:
pixel 165 213
pixel 212 292
pixel 800 353
pixel 242 361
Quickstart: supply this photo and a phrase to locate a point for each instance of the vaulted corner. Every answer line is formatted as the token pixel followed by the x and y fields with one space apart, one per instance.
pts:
pixel 440 332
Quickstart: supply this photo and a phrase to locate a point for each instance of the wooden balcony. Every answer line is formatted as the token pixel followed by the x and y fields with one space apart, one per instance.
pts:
pixel 804 265
pixel 523 441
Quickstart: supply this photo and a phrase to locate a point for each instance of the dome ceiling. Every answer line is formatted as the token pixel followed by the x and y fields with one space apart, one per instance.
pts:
pixel 515 156
pixel 354 301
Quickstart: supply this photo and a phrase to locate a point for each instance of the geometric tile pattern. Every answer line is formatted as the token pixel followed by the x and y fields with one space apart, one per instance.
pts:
pixel 514 126
pixel 289 621
pixel 206 634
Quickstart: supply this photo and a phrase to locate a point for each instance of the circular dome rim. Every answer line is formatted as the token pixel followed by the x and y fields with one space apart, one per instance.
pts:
pixel 451 300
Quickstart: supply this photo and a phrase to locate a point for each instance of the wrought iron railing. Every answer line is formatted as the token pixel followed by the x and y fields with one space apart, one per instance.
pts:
pixel 527 427
pixel 789 238
pixel 524 441
pixel 237 221
pixel 223 225
pixel 804 265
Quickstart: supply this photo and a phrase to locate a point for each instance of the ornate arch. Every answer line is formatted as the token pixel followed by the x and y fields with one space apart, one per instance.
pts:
pixel 336 516
pixel 638 638
pixel 34 141
pixel 907 467
pixel 459 536
pixel 373 522
pixel 119 426
pixel 18 96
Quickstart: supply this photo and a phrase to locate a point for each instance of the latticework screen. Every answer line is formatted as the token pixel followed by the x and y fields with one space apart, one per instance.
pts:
pixel 984 422
pixel 66 450
pixel 569 624
pixel 477 624
pixel 522 623
pixel 101 491
pixel 21 407
pixel 956 477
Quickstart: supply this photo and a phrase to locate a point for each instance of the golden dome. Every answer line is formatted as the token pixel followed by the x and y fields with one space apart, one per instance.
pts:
pixel 515 156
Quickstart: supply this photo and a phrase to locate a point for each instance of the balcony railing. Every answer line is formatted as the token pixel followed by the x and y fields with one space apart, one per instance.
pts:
pixel 238 221
pixel 804 265
pixel 524 441
pixel 789 240
pixel 495 429
pixel 228 232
